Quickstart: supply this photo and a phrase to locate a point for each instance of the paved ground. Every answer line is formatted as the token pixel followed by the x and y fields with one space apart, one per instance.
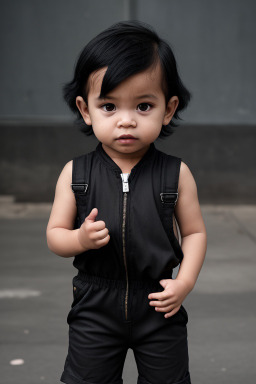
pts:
pixel 36 293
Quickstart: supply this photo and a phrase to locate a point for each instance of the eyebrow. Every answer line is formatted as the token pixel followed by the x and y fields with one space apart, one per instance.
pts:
pixel 146 96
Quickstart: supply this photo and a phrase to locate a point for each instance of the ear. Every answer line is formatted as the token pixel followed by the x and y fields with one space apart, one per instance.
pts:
pixel 84 110
pixel 170 109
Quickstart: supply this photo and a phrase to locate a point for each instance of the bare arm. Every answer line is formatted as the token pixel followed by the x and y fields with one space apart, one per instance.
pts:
pixel 192 228
pixel 193 244
pixel 62 239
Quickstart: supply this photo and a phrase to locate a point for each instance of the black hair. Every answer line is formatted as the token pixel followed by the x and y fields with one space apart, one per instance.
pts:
pixel 126 48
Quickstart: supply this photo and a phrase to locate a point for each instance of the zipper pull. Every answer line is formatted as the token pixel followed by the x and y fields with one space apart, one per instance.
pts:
pixel 125 177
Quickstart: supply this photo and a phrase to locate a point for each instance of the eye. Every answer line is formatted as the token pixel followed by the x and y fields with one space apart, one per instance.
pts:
pixel 108 107
pixel 144 107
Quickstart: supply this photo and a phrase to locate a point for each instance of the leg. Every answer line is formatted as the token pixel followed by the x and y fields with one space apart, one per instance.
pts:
pixel 160 345
pixel 97 343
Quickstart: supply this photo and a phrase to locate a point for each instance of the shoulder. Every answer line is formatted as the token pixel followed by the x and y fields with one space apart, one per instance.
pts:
pixel 76 162
pixel 65 178
pixel 66 173
pixel 175 164
pixel 186 179
pixel 68 166
pixel 184 169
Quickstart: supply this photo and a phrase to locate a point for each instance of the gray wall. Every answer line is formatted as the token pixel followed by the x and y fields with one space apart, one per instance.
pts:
pixel 40 40
pixel 214 43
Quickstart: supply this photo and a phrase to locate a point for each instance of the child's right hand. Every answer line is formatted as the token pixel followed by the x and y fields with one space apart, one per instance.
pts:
pixel 93 234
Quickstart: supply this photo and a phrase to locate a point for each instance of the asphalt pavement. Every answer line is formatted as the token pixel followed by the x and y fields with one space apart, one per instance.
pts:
pixel 36 294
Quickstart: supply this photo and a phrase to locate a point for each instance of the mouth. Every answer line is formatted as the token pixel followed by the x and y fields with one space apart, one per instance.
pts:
pixel 126 137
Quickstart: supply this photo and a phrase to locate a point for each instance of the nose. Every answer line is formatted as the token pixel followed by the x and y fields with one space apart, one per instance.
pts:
pixel 126 121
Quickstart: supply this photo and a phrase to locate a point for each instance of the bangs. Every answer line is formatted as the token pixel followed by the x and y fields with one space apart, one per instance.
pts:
pixel 132 59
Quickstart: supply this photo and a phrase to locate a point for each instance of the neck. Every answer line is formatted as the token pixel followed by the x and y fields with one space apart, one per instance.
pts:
pixel 125 161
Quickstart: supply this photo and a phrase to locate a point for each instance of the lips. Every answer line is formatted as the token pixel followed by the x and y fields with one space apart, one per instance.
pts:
pixel 126 137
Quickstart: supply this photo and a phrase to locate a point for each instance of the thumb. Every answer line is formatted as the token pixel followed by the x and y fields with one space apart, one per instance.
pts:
pixel 163 283
pixel 92 215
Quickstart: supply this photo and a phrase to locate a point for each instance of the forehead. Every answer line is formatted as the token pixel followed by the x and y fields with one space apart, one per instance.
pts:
pixel 149 79
pixel 95 79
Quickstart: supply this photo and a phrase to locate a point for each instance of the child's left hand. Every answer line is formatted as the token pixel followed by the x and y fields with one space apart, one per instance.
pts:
pixel 171 298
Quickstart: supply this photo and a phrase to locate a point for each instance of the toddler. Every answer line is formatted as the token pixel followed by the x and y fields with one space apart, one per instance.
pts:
pixel 115 211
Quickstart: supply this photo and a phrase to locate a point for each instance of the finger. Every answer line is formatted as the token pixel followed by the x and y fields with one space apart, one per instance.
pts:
pixel 92 215
pixel 102 242
pixel 98 225
pixel 172 312
pixel 163 309
pixel 157 296
pixel 161 303
pixel 99 235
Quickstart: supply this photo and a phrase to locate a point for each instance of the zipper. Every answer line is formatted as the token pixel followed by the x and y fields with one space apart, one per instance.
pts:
pixel 125 184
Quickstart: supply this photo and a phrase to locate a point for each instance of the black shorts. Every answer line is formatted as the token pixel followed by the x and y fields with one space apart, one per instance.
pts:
pixel 100 335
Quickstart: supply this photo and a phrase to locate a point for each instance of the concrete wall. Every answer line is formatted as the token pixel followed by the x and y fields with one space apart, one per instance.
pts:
pixel 214 42
pixel 40 41
pixel 215 48
pixel 221 159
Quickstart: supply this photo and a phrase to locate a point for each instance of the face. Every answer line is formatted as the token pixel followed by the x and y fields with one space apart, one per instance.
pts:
pixel 135 108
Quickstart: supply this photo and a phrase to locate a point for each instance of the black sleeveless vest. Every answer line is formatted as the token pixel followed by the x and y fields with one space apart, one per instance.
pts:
pixel 138 213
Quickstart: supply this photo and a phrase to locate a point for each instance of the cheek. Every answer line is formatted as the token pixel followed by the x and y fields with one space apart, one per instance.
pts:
pixel 158 115
pixel 101 128
pixel 99 118
pixel 96 120
pixel 156 119
pixel 99 134
pixel 152 130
